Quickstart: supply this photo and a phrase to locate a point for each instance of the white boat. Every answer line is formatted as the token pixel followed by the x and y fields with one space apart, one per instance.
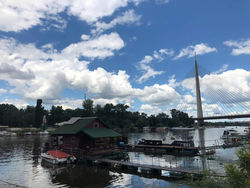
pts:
pixel 169 140
pixel 57 157
pixel 229 134
pixel 44 133
pixel 13 134
pixel 247 130
pixel 4 133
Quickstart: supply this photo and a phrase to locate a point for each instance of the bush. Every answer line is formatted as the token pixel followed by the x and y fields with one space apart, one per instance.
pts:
pixel 237 176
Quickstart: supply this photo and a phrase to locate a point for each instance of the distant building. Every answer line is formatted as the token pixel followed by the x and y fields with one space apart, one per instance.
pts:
pixel 85 133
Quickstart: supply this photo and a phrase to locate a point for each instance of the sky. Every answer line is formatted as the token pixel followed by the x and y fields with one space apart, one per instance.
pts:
pixel 135 52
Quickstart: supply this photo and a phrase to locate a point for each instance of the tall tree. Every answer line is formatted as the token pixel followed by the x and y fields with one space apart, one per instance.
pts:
pixel 9 115
pixel 88 107
pixel 180 118
pixel 29 116
pixel 162 120
pixel 56 115
pixel 39 113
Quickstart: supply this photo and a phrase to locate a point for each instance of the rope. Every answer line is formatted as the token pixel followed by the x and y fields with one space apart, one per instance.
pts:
pixel 229 103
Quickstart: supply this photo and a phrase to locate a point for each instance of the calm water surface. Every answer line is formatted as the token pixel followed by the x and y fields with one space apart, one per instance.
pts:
pixel 20 163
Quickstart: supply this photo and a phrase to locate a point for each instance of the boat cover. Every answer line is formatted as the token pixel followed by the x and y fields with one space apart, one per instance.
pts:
pixel 58 154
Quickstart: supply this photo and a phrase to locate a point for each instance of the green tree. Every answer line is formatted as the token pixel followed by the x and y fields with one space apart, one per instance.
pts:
pixel 88 107
pixel 237 175
pixel 10 115
pixel 162 120
pixel 29 116
pixel 121 115
pixel 180 118
pixel 57 115
pixel 142 121
pixel 152 121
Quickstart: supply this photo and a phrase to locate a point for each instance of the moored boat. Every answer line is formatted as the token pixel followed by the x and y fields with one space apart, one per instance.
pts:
pixel 170 141
pixel 169 145
pixel 231 133
pixel 57 157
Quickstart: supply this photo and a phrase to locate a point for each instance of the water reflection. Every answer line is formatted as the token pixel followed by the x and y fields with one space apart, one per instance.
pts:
pixel 20 163
pixel 81 176
pixel 212 136
pixel 36 150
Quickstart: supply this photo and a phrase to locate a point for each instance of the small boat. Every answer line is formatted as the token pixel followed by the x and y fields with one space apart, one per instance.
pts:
pixel 144 170
pixel 230 134
pixel 247 130
pixel 170 144
pixel 170 141
pixel 149 142
pixel 43 133
pixel 57 157
pixel 4 133
pixel 208 152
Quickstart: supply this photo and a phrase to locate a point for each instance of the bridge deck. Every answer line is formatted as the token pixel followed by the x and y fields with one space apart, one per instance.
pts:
pixel 224 117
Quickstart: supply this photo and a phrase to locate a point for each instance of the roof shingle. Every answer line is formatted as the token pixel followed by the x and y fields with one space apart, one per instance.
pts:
pixel 80 124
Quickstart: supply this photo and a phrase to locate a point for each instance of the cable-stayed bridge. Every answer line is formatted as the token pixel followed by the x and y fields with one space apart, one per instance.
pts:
pixel 229 103
pixel 224 117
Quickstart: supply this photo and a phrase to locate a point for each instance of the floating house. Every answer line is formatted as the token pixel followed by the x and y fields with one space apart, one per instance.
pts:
pixel 85 133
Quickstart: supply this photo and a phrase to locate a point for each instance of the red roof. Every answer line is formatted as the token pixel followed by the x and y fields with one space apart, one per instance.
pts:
pixel 58 154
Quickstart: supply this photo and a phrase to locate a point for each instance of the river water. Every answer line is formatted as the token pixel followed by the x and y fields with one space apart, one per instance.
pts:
pixel 20 163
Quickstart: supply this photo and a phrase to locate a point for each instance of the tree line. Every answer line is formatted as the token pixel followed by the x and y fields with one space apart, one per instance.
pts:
pixel 116 116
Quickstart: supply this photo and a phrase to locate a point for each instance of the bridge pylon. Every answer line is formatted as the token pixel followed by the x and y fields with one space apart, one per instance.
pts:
pixel 200 121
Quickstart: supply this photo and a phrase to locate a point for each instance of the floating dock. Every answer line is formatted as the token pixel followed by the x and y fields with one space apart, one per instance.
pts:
pixel 144 169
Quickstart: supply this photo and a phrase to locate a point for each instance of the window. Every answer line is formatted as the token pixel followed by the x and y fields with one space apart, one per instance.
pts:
pixel 60 140
pixel 73 139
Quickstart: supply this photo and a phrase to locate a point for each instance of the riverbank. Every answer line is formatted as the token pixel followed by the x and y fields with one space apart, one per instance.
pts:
pixel 17 131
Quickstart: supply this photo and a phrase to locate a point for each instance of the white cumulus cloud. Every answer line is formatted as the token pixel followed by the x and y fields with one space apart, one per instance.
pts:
pixel 101 47
pixel 2 91
pixel 146 69
pixel 22 15
pixel 19 103
pixel 159 94
pixel 19 15
pixel 45 72
pixel 199 49
pixel 127 17
pixel 149 109
pixel 239 47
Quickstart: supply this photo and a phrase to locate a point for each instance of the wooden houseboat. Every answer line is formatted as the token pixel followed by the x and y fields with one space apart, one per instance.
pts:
pixel 85 134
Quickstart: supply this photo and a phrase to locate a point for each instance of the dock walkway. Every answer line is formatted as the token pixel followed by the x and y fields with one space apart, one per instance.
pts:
pixel 152 167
